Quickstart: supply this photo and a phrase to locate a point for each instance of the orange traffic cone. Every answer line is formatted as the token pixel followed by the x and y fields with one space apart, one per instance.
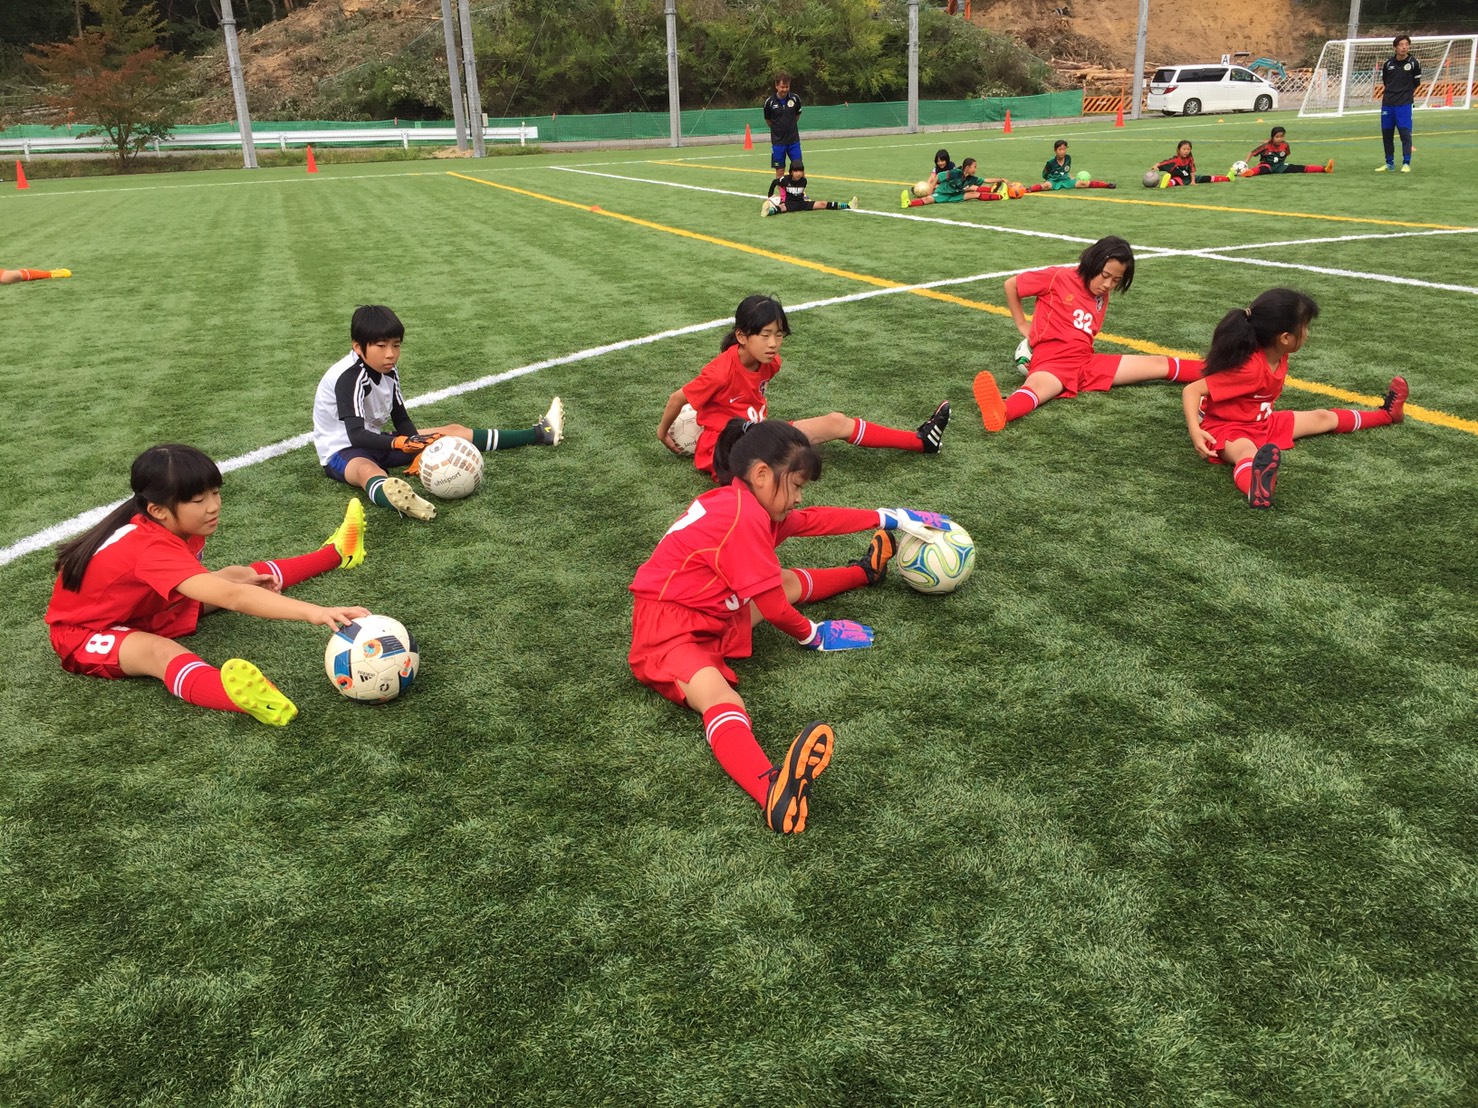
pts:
pixel 1447 103
pixel 20 177
pixel 312 164
pixel 1119 119
pixel 748 138
pixel 1007 129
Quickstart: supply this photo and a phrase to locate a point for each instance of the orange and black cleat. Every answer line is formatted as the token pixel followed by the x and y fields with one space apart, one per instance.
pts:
pixel 879 553
pixel 787 806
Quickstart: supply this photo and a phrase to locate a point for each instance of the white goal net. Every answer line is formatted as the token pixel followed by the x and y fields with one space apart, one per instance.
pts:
pixel 1348 77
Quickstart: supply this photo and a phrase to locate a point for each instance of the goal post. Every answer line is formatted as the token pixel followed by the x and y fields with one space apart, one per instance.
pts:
pixel 1347 78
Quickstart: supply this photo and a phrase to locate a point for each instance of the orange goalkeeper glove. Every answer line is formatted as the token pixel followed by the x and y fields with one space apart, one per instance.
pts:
pixel 412 444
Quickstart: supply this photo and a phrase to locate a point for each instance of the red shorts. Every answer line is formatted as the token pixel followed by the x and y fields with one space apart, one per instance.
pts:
pixel 1277 430
pixel 1094 373
pixel 671 642
pixel 95 653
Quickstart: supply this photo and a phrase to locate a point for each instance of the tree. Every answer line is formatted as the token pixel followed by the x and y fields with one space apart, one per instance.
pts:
pixel 114 79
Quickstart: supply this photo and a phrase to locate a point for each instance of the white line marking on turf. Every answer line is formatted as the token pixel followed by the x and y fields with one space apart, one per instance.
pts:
pixel 61 532
pixel 1341 238
pixel 1265 263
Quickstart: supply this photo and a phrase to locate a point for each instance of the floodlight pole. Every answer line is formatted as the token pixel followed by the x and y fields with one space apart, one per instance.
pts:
pixel 1353 31
pixel 453 68
pixel 913 67
pixel 474 94
pixel 238 86
pixel 674 111
pixel 1139 44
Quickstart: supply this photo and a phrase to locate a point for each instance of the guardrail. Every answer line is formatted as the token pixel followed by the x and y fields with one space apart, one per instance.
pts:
pixel 282 139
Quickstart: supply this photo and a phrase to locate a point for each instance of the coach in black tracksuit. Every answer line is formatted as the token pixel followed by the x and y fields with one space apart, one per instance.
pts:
pixel 1400 75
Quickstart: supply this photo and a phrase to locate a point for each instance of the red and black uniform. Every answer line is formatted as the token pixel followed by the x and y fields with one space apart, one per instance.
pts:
pixel 725 390
pixel 1183 172
pixel 1272 157
pixel 693 594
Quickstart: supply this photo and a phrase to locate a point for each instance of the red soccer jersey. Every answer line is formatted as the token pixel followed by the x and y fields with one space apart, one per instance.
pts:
pixel 1245 394
pixel 1067 315
pixel 721 554
pixel 131 580
pixel 725 390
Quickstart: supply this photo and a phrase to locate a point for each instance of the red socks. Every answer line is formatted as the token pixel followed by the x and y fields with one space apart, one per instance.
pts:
pixel 1185 370
pixel 818 584
pixel 195 681
pixel 290 571
pixel 871 435
pixel 730 736
pixel 1021 402
pixel 1347 420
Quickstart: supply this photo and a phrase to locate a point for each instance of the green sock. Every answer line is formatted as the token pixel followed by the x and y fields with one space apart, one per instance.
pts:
pixel 495 439
pixel 374 488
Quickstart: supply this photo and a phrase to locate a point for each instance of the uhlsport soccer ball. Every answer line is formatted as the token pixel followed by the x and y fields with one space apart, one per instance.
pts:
pixel 939 564
pixel 451 468
pixel 1152 179
pixel 1023 355
pixel 1238 168
pixel 1084 175
pixel 921 189
pixel 685 430
pixel 373 659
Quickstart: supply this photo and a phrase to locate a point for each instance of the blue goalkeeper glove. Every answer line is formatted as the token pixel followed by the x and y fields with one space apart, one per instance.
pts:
pixel 891 519
pixel 838 634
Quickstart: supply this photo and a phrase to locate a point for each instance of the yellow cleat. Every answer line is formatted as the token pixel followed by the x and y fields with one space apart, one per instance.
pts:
pixel 404 500
pixel 348 540
pixel 61 273
pixel 255 695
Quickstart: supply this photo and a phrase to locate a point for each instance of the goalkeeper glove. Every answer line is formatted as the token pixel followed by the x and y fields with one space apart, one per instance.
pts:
pixel 412 444
pixel 912 522
pixel 838 634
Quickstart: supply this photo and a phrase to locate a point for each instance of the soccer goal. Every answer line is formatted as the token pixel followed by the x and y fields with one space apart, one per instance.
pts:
pixel 1347 79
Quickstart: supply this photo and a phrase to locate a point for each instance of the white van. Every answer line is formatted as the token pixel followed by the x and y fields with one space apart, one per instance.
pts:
pixel 1193 89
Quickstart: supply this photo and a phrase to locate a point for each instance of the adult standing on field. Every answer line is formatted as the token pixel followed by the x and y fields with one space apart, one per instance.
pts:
pixel 782 113
pixel 1400 76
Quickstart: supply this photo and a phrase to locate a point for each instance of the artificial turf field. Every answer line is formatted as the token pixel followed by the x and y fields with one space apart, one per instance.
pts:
pixel 1172 804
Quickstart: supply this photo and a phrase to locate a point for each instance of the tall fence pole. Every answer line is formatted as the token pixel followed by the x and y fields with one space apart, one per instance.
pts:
pixel 238 86
pixel 454 71
pixel 674 110
pixel 1139 44
pixel 474 94
pixel 913 67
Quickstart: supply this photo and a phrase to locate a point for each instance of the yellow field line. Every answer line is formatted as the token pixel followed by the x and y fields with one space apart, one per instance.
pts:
pixel 1427 415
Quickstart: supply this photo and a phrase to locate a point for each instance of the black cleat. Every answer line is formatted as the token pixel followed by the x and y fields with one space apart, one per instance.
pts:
pixel 1264 476
pixel 931 431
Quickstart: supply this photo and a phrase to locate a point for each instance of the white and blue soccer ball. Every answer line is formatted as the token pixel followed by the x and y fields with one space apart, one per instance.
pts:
pixel 939 564
pixel 451 468
pixel 372 660
pixel 1238 168
pixel 685 430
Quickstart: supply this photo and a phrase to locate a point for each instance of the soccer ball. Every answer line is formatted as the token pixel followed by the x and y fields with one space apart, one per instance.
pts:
pixel 1015 190
pixel 921 189
pixel 373 659
pixel 685 430
pixel 1238 168
pixel 451 468
pixel 939 564
pixel 1084 175
pixel 1152 179
pixel 1023 356
pixel 768 206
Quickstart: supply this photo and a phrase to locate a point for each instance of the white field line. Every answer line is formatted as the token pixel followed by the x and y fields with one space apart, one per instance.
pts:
pixel 61 532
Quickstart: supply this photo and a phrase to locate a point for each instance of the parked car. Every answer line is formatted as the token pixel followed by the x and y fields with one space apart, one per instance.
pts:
pixel 1193 89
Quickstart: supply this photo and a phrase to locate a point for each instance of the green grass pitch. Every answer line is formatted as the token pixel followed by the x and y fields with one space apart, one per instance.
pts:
pixel 1173 804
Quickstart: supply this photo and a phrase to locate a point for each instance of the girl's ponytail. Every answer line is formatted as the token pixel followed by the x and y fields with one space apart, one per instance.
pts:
pixel 1242 331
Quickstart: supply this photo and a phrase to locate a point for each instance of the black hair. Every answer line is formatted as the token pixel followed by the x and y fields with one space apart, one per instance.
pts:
pixel 941 155
pixel 781 75
pixel 1183 142
pixel 1275 132
pixel 778 444
pixel 753 315
pixel 797 165
pixel 1399 39
pixel 1059 143
pixel 1111 249
pixel 968 161
pixel 372 323
pixel 1245 330
pixel 167 475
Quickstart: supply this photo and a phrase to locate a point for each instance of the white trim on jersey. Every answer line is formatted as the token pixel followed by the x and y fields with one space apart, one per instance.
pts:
pixel 374 400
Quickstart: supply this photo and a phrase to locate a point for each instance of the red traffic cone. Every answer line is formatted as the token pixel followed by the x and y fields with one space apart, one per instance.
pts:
pixel 20 177
pixel 1447 102
pixel 748 138
pixel 312 164
pixel 1119 119
pixel 1007 129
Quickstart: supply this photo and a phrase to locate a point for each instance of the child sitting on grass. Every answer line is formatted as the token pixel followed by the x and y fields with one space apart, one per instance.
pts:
pixel 793 196
pixel 1058 173
pixel 954 185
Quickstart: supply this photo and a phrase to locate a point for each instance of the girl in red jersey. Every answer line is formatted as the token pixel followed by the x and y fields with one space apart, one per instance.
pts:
pixel 1229 412
pixel 1181 169
pixel 1071 301
pixel 134 583
pixel 733 386
pixel 1272 157
pixel 715 574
